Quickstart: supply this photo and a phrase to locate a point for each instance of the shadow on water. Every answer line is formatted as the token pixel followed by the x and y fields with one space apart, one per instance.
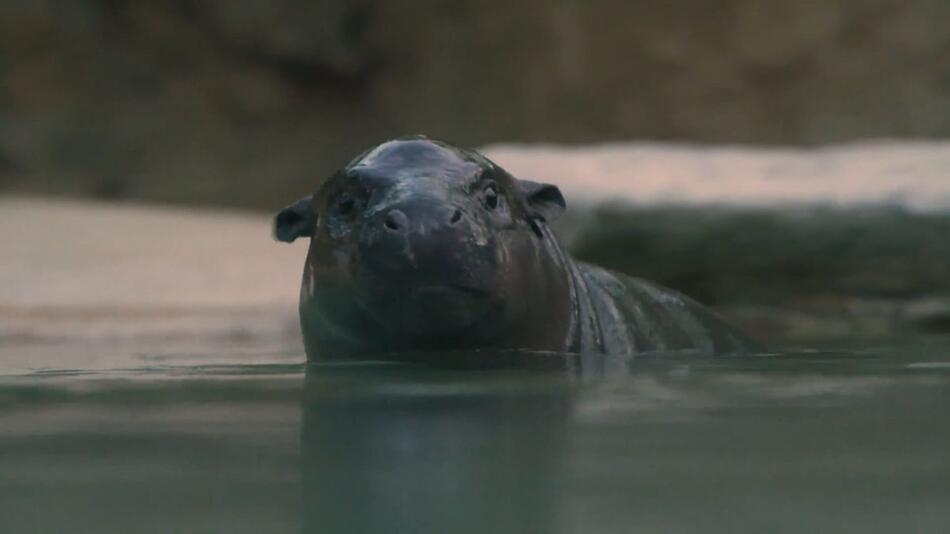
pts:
pixel 547 442
pixel 422 451
pixel 485 442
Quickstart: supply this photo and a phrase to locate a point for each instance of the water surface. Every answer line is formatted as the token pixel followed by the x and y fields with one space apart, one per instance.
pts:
pixel 849 441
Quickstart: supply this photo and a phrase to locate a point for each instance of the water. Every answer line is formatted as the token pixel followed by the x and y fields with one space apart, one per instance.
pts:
pixel 850 441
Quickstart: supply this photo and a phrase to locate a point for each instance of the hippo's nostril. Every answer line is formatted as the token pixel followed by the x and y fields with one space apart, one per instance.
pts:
pixel 456 217
pixel 396 221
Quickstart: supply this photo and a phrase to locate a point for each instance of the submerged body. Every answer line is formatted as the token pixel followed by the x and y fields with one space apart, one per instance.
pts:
pixel 628 315
pixel 419 245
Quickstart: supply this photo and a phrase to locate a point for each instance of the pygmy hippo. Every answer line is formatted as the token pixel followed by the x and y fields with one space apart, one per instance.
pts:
pixel 419 245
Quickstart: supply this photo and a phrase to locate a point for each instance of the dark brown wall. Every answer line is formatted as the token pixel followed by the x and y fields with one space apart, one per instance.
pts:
pixel 251 102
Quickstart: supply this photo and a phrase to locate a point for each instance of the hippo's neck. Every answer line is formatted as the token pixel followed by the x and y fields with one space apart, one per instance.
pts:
pixel 583 335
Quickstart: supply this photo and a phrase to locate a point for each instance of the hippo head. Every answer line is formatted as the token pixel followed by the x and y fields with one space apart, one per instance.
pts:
pixel 418 244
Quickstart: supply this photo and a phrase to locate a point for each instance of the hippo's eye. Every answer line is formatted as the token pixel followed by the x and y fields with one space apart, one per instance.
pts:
pixel 345 204
pixel 491 197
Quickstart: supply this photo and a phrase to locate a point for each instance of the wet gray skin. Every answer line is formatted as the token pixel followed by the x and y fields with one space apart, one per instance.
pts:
pixel 420 245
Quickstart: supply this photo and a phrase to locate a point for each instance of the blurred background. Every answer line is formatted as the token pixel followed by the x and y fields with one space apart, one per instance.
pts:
pixel 244 103
pixel 249 104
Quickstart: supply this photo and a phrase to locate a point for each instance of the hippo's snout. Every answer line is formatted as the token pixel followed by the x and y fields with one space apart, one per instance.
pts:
pixel 421 267
pixel 396 221
pixel 421 243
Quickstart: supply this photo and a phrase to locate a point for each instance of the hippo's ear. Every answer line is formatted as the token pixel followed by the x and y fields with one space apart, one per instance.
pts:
pixel 544 200
pixel 296 220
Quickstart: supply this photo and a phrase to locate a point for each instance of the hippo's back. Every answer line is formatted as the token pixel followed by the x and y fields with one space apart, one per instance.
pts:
pixel 637 316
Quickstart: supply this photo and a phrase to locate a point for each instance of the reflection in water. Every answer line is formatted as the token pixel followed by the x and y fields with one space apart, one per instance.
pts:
pixel 414 451
pixel 847 442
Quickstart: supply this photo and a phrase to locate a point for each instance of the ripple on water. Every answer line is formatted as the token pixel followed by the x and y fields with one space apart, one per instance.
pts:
pixel 666 442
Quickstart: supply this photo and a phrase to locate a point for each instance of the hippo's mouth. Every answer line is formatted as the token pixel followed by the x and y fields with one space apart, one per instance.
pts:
pixel 436 309
pixel 447 290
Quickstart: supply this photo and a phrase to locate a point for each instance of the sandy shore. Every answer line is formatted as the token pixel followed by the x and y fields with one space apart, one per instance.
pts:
pixel 97 275
pixel 142 279
pixel 912 174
